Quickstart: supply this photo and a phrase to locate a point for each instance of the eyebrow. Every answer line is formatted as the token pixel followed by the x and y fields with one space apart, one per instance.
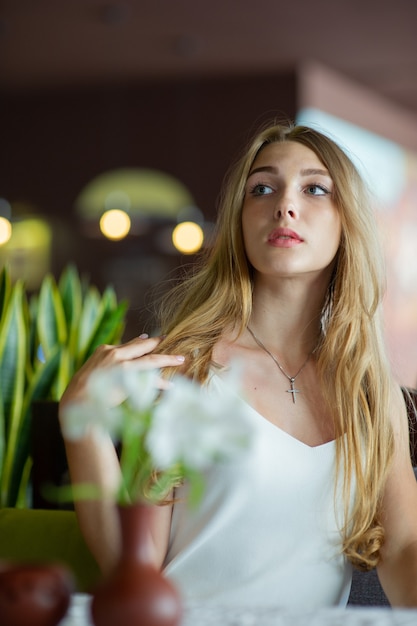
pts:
pixel 315 171
pixel 265 168
pixel 305 172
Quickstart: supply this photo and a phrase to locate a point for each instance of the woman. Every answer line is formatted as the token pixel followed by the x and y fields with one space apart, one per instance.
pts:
pixel 292 289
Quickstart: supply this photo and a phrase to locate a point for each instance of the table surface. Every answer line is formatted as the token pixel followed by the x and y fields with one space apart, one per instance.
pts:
pixel 78 615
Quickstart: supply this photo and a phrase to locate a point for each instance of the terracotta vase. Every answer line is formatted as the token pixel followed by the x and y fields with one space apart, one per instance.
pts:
pixel 136 593
pixel 34 595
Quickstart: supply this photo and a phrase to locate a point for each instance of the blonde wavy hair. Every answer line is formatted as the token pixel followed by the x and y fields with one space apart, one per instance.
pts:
pixel 351 358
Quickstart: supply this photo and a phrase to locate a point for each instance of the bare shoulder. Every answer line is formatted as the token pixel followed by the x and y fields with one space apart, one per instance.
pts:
pixel 229 348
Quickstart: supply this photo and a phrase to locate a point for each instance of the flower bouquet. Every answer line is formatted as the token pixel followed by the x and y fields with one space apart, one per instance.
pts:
pixel 165 437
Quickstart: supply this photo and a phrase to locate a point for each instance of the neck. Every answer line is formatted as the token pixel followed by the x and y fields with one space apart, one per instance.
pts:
pixel 289 322
pixel 290 338
pixel 293 390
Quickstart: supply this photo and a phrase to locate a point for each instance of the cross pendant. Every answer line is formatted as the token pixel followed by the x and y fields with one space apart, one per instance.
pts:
pixel 293 391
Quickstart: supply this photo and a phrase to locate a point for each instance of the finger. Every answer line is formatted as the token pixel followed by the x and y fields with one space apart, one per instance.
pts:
pixel 136 347
pixel 155 361
pixel 108 354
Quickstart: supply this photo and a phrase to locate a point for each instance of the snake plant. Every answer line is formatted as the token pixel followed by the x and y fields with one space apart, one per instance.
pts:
pixel 44 338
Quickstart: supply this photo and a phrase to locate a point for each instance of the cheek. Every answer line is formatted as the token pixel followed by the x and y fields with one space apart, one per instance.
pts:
pixel 248 233
pixel 329 237
pixel 244 214
pixel 247 226
pixel 334 226
pixel 338 230
pixel 336 237
pixel 253 218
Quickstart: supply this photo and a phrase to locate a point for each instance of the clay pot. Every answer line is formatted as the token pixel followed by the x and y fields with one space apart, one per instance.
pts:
pixel 34 595
pixel 136 593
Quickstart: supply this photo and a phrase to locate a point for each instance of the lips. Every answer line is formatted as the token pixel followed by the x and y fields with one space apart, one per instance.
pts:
pixel 284 236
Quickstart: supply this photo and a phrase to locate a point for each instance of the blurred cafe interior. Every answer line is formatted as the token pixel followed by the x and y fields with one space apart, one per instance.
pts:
pixel 118 121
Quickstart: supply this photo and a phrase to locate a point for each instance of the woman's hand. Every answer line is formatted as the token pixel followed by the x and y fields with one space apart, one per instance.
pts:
pixel 94 461
pixel 137 354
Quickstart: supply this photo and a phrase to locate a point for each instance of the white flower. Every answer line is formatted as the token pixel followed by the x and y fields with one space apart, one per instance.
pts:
pixel 195 427
pixel 81 418
pixel 141 387
pixel 102 410
pixel 187 430
pixel 105 387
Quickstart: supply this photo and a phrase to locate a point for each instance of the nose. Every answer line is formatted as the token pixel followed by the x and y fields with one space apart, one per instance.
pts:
pixel 285 206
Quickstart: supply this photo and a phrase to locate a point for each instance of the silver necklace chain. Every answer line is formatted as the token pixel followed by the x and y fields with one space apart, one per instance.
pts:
pixel 293 391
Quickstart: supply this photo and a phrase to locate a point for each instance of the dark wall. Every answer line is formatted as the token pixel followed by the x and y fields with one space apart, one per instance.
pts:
pixel 53 143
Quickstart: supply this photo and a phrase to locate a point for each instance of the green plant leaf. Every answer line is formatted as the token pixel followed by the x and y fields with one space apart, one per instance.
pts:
pixel 35 350
pixel 13 351
pixel 2 434
pixel 51 323
pixel 42 341
pixel 197 485
pixel 65 494
pixel 88 322
pixel 39 389
pixel 71 291
pixel 162 484
pixel 109 329
pixel 64 374
pixel 119 312
pixel 109 297
pixel 22 496
pixel 13 354
pixel 33 339
pixel 5 288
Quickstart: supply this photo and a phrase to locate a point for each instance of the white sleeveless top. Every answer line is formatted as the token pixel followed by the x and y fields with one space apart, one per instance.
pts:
pixel 266 531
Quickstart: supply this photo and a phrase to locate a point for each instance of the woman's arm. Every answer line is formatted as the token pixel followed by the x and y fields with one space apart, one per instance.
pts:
pixel 397 570
pixel 93 463
pixel 93 460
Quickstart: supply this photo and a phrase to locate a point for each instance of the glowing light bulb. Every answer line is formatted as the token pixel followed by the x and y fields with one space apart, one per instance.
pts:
pixel 5 230
pixel 115 224
pixel 188 237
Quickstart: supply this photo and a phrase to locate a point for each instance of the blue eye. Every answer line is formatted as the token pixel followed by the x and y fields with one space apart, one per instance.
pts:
pixel 316 190
pixel 261 190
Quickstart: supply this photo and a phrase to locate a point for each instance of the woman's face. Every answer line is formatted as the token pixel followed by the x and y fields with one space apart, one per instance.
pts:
pixel 291 225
